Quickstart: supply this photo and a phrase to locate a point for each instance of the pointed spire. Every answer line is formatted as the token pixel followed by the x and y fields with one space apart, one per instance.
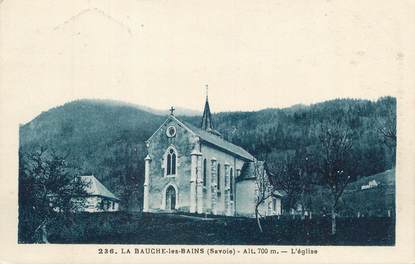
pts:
pixel 207 123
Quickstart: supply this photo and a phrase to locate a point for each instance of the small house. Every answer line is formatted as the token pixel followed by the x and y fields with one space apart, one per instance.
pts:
pixel 371 184
pixel 99 198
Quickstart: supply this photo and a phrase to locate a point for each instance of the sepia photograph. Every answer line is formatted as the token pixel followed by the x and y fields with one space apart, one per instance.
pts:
pixel 208 132
pixel 95 171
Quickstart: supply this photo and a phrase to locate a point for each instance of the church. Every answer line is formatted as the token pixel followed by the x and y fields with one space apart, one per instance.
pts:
pixel 193 169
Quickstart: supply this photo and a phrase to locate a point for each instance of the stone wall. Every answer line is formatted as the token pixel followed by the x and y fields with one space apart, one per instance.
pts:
pixel 93 204
pixel 207 198
pixel 245 205
pixel 214 199
pixel 183 143
pixel 247 197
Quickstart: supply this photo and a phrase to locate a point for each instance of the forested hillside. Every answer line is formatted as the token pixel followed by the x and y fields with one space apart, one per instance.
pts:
pixel 107 139
pixel 272 131
pixel 99 137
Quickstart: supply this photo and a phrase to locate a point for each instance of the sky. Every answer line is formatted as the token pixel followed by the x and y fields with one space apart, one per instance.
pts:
pixel 160 53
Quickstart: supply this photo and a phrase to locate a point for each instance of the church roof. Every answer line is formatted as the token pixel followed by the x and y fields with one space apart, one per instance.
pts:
pixel 219 142
pixel 248 171
pixel 95 187
pixel 211 138
pixel 208 134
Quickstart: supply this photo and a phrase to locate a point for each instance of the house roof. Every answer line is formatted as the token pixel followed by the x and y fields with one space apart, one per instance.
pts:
pixel 95 187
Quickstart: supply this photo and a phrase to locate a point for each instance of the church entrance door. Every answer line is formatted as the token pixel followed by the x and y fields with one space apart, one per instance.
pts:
pixel 170 198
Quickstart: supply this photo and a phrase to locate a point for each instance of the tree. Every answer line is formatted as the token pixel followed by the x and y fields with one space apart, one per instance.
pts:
pixel 264 190
pixel 386 121
pixel 334 150
pixel 292 175
pixel 49 192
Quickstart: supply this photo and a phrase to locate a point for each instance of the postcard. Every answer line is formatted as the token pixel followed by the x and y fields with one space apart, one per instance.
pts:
pixel 157 131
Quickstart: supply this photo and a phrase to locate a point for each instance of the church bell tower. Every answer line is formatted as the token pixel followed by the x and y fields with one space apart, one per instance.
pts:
pixel 207 122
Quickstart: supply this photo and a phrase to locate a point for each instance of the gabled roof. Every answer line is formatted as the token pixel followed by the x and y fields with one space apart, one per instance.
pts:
pixel 171 117
pixel 210 138
pixel 95 187
pixel 220 142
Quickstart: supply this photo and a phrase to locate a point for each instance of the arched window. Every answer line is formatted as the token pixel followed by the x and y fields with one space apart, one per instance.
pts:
pixel 204 172
pixel 218 177
pixel 171 162
pixel 231 183
pixel 168 164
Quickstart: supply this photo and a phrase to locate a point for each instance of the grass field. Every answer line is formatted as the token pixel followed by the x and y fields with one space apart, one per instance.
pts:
pixel 137 228
pixel 373 202
pixel 374 227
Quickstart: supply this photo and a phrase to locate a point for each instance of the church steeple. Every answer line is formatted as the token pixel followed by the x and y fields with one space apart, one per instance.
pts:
pixel 207 123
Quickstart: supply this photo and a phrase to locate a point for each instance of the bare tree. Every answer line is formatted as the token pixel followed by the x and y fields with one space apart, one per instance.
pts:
pixel 291 174
pixel 264 190
pixel 386 121
pixel 335 145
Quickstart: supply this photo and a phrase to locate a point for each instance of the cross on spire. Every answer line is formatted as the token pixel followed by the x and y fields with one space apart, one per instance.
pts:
pixel 172 110
pixel 207 91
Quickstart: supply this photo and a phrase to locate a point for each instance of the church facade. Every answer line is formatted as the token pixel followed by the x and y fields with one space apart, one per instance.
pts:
pixel 193 169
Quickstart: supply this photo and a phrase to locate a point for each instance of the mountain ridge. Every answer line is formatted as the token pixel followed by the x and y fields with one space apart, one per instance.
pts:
pixel 106 137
